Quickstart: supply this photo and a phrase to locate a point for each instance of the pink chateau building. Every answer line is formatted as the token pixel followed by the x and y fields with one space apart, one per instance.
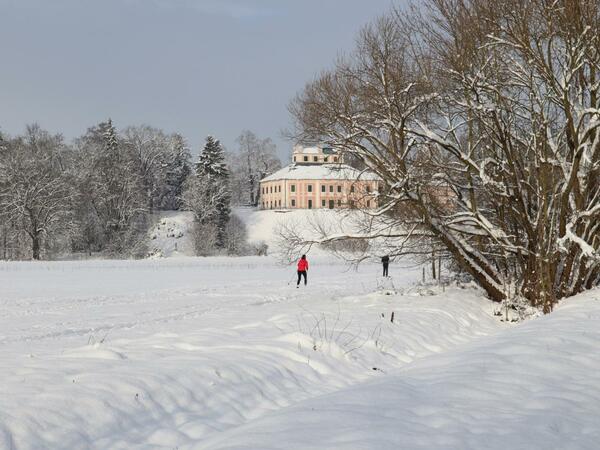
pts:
pixel 318 178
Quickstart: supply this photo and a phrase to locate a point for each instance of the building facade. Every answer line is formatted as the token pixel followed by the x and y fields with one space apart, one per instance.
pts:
pixel 317 178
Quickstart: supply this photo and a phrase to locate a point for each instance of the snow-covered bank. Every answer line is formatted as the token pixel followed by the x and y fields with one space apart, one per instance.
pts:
pixel 171 353
pixel 536 386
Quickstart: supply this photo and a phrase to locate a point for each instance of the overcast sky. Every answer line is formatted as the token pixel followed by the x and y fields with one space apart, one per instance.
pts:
pixel 196 67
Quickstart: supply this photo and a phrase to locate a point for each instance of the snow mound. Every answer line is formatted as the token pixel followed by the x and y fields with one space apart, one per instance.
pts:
pixel 535 386
pixel 171 235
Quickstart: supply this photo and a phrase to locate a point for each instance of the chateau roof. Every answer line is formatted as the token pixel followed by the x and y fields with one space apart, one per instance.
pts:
pixel 321 172
pixel 309 151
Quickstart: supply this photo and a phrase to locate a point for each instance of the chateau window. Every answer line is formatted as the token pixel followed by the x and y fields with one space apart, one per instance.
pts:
pixel 293 188
pixel 310 204
pixel 339 189
pixel 335 159
pixel 294 159
pixel 325 159
pixel 323 188
pixel 309 187
pixel 306 159
pixel 331 188
pixel 293 203
pixel 352 189
pixel 323 203
pixel 279 188
pixel 339 203
pixel 271 189
pixel 316 158
pixel 280 203
pixel 368 189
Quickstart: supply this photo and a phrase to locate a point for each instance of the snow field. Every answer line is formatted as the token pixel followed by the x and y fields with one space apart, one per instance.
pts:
pixel 535 386
pixel 174 352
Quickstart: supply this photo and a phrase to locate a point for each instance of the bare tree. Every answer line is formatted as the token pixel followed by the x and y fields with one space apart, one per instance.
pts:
pixel 482 119
pixel 35 190
pixel 149 148
pixel 236 236
pixel 255 159
pixel 111 190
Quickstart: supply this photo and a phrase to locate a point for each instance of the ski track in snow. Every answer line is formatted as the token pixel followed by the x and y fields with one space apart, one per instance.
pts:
pixel 173 353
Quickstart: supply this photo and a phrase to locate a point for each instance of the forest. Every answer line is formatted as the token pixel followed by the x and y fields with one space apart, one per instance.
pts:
pixel 98 195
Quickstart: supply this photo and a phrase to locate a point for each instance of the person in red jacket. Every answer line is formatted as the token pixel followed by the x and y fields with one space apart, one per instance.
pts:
pixel 302 269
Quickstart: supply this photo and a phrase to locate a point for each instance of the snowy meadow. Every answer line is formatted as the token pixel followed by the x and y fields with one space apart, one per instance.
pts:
pixel 228 353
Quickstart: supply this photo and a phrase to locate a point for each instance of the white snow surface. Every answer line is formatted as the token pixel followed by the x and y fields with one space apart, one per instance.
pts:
pixel 536 386
pixel 215 353
pixel 226 353
pixel 171 234
pixel 262 225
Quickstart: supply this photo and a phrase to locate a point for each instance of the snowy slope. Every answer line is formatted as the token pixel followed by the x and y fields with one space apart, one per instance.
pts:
pixel 171 234
pixel 263 224
pixel 536 386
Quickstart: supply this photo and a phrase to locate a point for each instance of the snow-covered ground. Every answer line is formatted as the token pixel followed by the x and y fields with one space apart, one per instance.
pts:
pixel 226 353
pixel 171 235
pixel 536 386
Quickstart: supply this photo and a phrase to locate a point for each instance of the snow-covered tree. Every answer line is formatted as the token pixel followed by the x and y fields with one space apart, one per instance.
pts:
pixel 149 148
pixel 36 192
pixel 112 194
pixel 236 236
pixel 177 171
pixel 483 120
pixel 255 159
pixel 213 175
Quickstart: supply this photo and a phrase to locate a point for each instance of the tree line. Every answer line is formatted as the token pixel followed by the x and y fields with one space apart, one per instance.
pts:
pixel 482 118
pixel 97 195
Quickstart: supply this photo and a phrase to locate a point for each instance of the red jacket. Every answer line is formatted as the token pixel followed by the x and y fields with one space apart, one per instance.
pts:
pixel 302 265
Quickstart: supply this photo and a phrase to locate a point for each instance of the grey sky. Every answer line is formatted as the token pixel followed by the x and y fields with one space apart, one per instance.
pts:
pixel 191 66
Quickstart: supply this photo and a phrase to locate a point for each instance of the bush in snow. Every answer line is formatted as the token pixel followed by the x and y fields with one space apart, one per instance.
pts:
pixel 205 238
pixel 236 236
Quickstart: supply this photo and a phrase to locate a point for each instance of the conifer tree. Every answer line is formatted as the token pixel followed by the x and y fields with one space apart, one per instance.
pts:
pixel 211 168
pixel 178 169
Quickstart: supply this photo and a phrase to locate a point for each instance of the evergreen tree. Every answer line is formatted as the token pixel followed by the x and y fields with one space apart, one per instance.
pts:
pixel 178 169
pixel 212 169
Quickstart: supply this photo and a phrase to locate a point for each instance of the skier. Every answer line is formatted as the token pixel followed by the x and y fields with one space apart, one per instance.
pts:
pixel 386 262
pixel 302 269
